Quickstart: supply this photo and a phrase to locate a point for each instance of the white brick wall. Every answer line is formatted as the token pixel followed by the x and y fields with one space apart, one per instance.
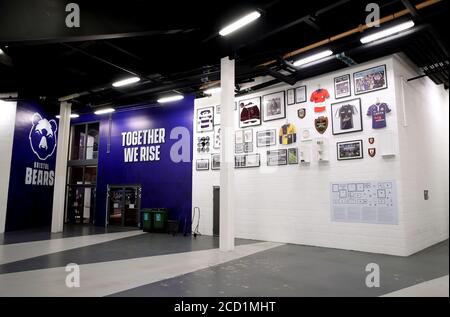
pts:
pixel 424 144
pixel 291 203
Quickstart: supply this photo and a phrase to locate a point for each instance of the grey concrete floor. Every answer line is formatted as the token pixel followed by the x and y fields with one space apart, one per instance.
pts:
pixel 302 271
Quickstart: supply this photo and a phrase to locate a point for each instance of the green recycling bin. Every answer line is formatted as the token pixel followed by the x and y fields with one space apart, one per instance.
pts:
pixel 160 216
pixel 147 221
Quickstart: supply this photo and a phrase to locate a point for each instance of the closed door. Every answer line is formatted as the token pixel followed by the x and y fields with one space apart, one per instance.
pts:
pixel 216 211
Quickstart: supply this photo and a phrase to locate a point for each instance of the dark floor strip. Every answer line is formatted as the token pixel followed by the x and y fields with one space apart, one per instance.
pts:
pixel 144 245
pixel 40 234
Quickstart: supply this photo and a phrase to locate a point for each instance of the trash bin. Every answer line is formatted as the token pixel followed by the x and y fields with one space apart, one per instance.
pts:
pixel 159 217
pixel 146 220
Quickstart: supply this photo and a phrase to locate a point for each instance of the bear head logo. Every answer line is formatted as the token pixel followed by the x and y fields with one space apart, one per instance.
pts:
pixel 43 136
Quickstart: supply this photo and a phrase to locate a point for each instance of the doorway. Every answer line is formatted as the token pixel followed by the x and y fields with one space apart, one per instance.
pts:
pixel 124 203
pixel 80 205
pixel 216 211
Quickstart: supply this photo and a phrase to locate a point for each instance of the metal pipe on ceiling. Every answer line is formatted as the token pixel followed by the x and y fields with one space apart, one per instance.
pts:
pixel 359 29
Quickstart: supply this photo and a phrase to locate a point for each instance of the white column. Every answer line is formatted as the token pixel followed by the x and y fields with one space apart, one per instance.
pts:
pixel 62 151
pixel 227 155
pixel 7 124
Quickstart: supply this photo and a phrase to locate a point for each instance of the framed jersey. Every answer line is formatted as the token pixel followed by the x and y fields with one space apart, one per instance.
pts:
pixel 250 112
pixel 346 117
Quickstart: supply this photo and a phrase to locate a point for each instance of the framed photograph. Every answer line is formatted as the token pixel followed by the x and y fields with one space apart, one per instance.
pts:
pixel 202 165
pixel 205 119
pixel 277 158
pixel 291 97
pixel 217 115
pixel 250 112
pixel 371 79
pixel 346 116
pixel 342 87
pixel 248 136
pixel 247 161
pixel 266 138
pixel 239 137
pixel 306 135
pixel 274 106
pixel 350 150
pixel 248 147
pixel 239 148
pixel 217 142
pixel 215 162
pixel 292 156
pixel 300 94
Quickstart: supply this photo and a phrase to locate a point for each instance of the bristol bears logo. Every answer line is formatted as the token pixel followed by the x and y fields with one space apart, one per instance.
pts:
pixel 43 136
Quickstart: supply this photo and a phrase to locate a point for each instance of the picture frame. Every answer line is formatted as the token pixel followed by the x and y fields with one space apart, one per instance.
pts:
pixel 350 150
pixel 347 116
pixel 215 162
pixel 202 165
pixel 266 138
pixel 205 119
pixel 274 106
pixel 247 161
pixel 239 148
pixel 292 156
pixel 249 112
pixel 239 137
pixel 277 157
pixel 217 112
pixel 370 80
pixel 306 135
pixel 290 97
pixel 342 86
pixel 217 142
pixel 248 136
pixel 248 147
pixel 301 94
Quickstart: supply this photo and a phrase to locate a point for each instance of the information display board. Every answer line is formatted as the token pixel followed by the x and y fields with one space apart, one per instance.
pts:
pixel 365 202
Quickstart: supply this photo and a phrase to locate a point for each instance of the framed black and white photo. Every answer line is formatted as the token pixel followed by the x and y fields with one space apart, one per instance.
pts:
pixel 249 112
pixel 239 148
pixel 202 165
pixel 239 137
pixel 248 136
pixel 274 106
pixel 217 142
pixel 350 150
pixel 205 119
pixel 300 94
pixel 306 135
pixel 291 97
pixel 371 79
pixel 277 158
pixel 266 138
pixel 215 162
pixel 247 161
pixel 217 115
pixel 248 147
pixel 342 87
pixel 292 156
pixel 347 116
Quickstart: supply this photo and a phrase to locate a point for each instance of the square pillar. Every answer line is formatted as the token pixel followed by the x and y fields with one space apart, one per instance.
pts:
pixel 227 155
pixel 62 152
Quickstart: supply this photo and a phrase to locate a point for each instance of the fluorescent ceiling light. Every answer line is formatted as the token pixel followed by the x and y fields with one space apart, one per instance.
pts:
pixel 313 58
pixel 125 82
pixel 104 111
pixel 213 91
pixel 387 32
pixel 72 116
pixel 171 99
pixel 249 18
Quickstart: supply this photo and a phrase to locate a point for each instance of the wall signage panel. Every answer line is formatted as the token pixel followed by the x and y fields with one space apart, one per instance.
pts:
pixel 365 202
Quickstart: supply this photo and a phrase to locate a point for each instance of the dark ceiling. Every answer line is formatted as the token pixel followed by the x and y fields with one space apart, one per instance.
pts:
pixel 175 46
